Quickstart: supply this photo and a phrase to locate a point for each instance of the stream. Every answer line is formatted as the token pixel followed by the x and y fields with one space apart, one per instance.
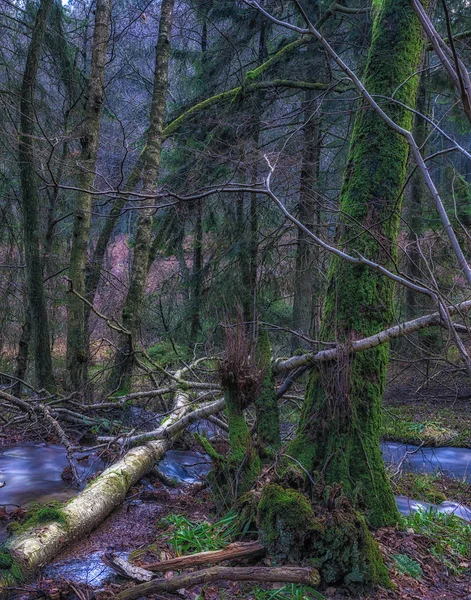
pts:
pixel 31 472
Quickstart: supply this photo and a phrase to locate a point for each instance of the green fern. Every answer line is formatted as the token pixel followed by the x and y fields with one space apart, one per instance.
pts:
pixel 406 566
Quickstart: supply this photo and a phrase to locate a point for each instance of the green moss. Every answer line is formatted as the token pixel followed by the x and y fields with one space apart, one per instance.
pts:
pixel 209 448
pixel 281 54
pixel 336 541
pixel 39 515
pixel 6 559
pixel 11 572
pixel 286 522
pixel 266 404
pixel 234 476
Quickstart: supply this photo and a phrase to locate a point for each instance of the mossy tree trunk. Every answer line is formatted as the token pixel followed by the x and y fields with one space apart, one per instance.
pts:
pixel 338 437
pixel 30 206
pixel 77 338
pixel 335 483
pixel 305 298
pixel 266 403
pixel 134 304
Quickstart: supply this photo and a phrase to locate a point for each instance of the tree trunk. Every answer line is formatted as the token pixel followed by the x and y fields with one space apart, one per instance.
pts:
pixel 30 205
pixel 77 338
pixel 414 217
pixel 336 453
pixel 305 300
pixel 132 311
pixel 197 273
pixel 266 403
pixel 22 356
pixel 339 432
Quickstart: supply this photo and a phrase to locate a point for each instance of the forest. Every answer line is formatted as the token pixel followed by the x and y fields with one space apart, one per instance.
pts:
pixel 235 342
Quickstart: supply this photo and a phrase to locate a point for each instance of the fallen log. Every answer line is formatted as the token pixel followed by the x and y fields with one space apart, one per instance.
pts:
pixel 300 575
pixel 125 568
pixel 234 551
pixel 36 547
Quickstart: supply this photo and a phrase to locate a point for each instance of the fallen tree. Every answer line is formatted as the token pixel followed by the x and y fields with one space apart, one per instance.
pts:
pixel 300 575
pixel 234 551
pixel 25 553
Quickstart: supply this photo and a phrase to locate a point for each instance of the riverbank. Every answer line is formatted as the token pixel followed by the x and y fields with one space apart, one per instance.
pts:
pixel 429 420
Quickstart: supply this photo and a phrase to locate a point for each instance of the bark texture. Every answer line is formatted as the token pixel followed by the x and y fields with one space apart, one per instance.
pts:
pixel 306 279
pixel 132 311
pixel 30 205
pixel 77 338
pixel 234 551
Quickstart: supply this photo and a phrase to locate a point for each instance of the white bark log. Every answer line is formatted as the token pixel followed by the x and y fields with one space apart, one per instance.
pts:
pixel 88 509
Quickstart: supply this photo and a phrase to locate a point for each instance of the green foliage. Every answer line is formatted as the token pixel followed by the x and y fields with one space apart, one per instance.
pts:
pixel 450 536
pixel 287 592
pixel 165 353
pixel 188 536
pixel 38 515
pixel 406 566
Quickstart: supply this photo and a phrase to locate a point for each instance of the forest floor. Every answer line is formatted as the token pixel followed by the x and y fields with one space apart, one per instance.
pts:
pixel 142 529
pixel 435 416
pixel 143 525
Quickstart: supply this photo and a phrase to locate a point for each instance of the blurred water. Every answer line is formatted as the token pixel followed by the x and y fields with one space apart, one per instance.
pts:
pixel 454 462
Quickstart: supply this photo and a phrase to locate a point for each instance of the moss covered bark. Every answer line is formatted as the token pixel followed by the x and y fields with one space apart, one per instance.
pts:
pixel 335 540
pixel 243 463
pixel 30 200
pixel 339 434
pixel 266 403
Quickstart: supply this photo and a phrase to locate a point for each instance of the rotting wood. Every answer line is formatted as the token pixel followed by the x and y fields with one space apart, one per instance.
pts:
pixel 300 575
pixel 234 551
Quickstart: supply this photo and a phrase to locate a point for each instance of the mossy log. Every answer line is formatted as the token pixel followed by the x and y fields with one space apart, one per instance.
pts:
pixel 36 547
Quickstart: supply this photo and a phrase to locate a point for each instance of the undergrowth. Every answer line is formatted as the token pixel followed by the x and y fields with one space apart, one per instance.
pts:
pixel 37 515
pixel 187 536
pixel 450 535
pixel 407 566
pixel 287 592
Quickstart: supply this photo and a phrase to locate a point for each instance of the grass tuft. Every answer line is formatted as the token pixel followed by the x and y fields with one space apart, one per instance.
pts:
pixel 187 536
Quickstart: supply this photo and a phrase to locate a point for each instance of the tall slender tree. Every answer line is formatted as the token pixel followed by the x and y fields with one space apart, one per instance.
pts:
pixel 77 338
pixel 31 205
pixel 133 307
